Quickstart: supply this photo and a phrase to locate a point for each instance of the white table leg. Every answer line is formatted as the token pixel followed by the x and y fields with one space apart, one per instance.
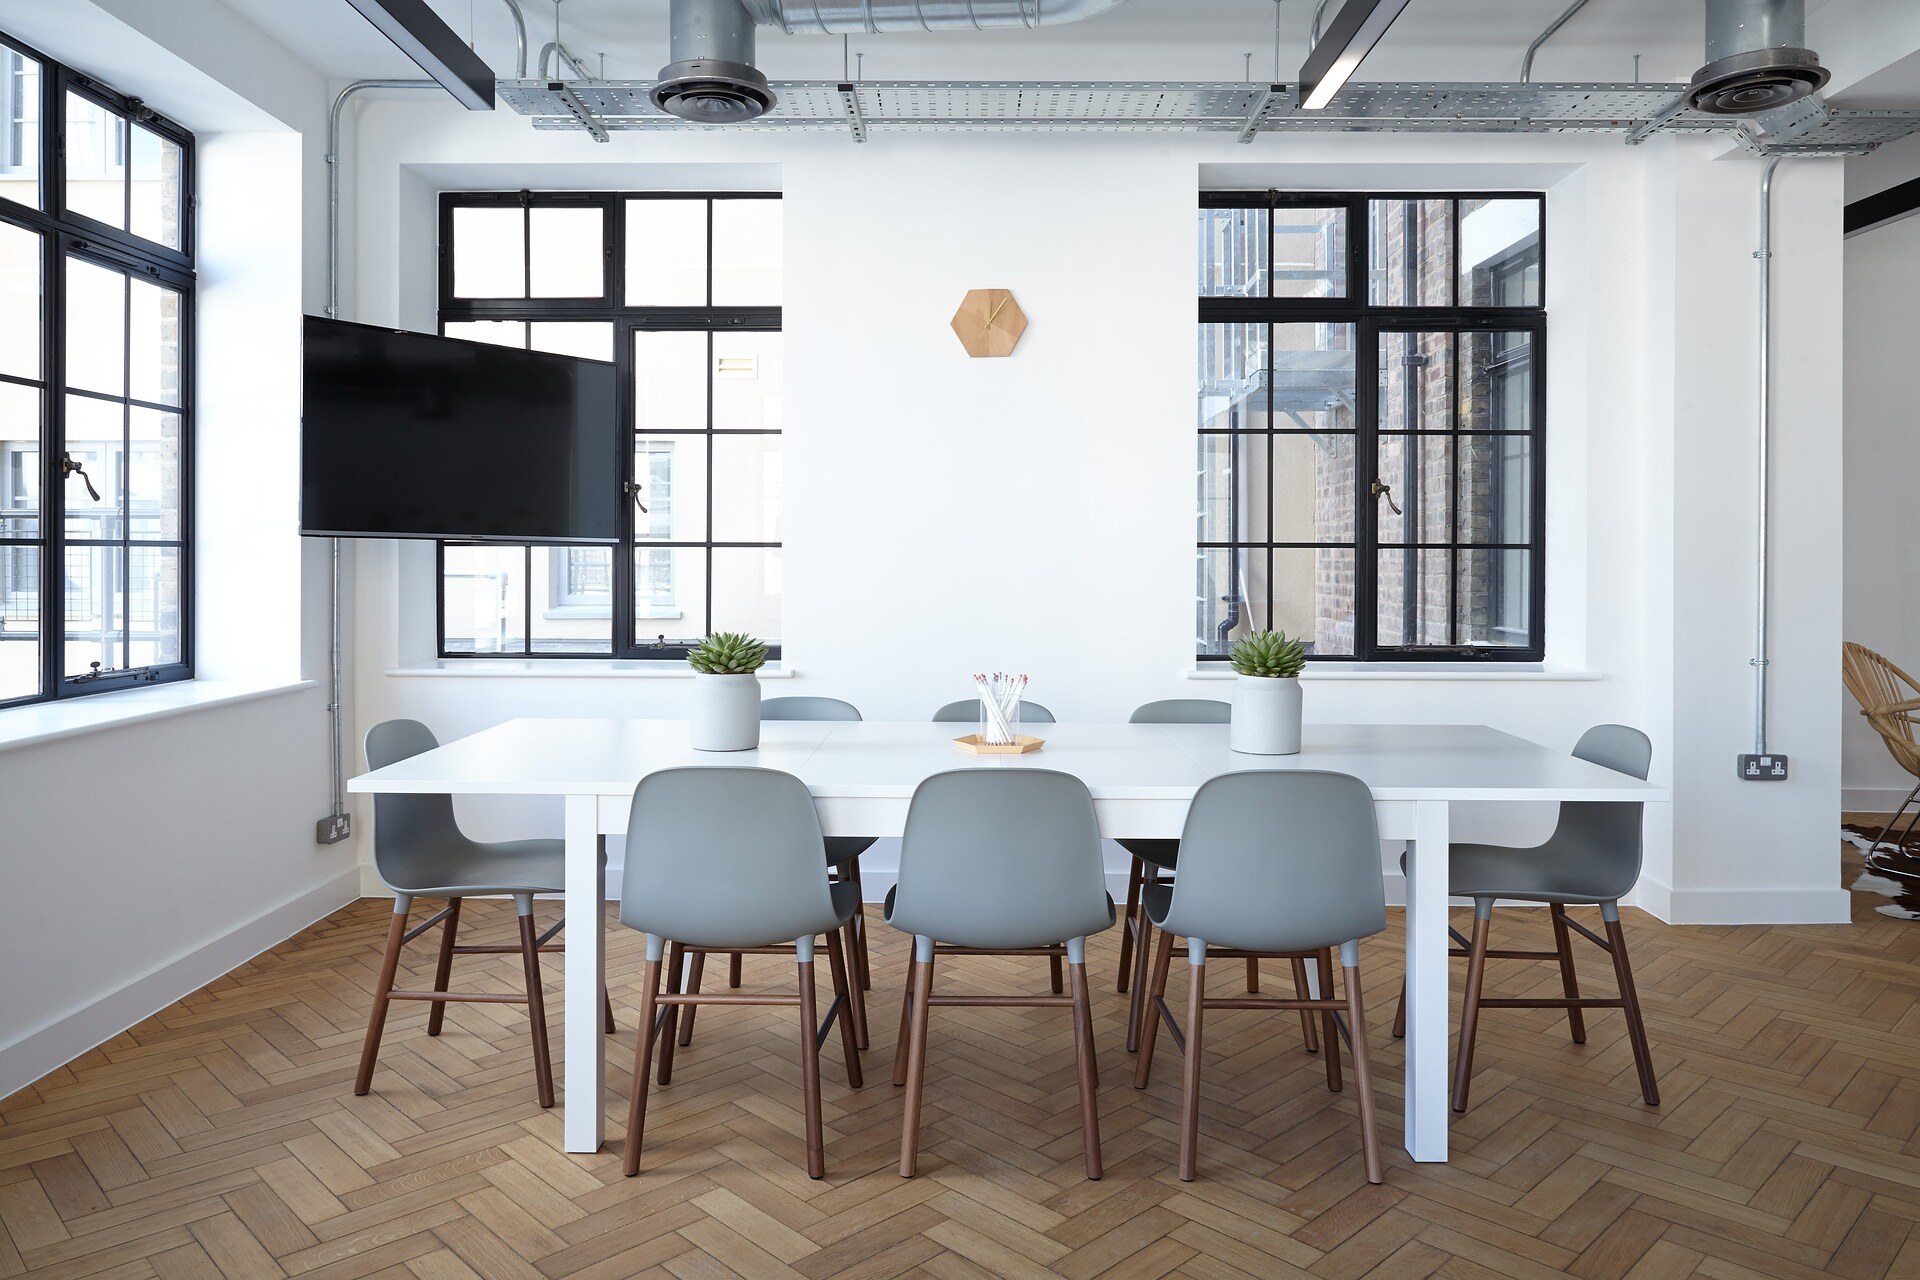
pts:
pixel 581 1103
pixel 1427 946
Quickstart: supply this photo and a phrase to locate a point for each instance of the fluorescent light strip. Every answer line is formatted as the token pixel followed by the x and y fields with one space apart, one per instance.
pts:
pixel 1349 39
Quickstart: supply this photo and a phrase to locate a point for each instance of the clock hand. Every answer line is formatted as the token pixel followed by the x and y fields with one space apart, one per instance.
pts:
pixel 994 314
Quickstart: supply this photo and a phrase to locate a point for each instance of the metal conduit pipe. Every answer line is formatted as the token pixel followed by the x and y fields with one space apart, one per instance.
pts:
pixel 877 17
pixel 519 39
pixel 1765 256
pixel 561 57
pixel 1313 32
pixel 1526 63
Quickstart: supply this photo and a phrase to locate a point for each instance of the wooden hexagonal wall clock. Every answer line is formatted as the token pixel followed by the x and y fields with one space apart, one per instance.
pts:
pixel 989 322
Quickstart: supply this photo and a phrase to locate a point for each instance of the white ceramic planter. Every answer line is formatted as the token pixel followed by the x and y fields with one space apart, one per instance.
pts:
pixel 1266 716
pixel 726 713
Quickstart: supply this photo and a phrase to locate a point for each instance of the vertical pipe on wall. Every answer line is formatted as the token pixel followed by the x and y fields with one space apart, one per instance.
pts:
pixel 1765 256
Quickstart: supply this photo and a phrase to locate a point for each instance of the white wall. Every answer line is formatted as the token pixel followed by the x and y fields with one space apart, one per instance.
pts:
pixel 141 862
pixel 1088 587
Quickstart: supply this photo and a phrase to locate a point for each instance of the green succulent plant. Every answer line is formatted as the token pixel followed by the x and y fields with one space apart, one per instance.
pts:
pixel 1270 655
pixel 728 653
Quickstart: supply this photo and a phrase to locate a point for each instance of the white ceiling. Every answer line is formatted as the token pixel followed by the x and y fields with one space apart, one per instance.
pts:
pixel 1156 39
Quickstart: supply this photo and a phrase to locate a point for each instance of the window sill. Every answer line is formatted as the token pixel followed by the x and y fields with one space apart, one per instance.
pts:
pixel 563 669
pixel 46 721
pixel 1523 672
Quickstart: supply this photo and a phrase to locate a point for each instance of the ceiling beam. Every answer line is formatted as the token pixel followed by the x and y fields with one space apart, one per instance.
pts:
pixel 1349 38
pixel 434 47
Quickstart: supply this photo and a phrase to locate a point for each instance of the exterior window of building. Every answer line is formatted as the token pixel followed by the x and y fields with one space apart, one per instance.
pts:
pixel 682 292
pixel 1371 424
pixel 96 323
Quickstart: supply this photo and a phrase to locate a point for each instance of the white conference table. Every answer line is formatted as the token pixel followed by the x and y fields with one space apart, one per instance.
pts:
pixel 862 774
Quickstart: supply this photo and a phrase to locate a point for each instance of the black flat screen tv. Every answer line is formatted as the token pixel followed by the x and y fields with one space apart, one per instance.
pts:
pixel 406 435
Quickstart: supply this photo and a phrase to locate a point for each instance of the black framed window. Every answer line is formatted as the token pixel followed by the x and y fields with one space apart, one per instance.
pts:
pixel 681 290
pixel 96 326
pixel 1370 470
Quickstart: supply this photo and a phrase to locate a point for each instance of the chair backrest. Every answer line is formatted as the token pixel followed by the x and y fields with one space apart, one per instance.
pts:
pixel 1887 697
pixel 411 833
pixel 967 711
pixel 805 708
pixel 1001 858
pixel 720 856
pixel 1280 860
pixel 1182 711
pixel 1603 840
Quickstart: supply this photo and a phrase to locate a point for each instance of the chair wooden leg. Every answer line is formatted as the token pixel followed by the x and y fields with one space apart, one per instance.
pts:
pixel 607 1023
pixel 1329 1028
pixel 1190 1067
pixel 1569 982
pixel 1308 1032
pixel 1137 1011
pixel 856 994
pixel 642 1067
pixel 1400 1015
pixel 916 1070
pixel 377 1020
pixel 904 1041
pixel 536 1002
pixel 1150 1011
pixel 443 968
pixel 1253 976
pixel 1363 1075
pixel 1083 1052
pixel 846 989
pixel 1636 1028
pixel 733 969
pixel 1058 974
pixel 862 963
pixel 1470 1011
pixel 695 968
pixel 810 1069
pixel 669 1028
pixel 1128 915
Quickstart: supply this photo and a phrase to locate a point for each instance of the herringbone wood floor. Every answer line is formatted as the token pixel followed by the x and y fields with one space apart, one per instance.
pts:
pixel 220 1137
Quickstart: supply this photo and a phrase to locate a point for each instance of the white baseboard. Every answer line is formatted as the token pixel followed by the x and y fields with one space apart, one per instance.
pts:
pixel 1872 799
pixel 1745 906
pixel 59 1042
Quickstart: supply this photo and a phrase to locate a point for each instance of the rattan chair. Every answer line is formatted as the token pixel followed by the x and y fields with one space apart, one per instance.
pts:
pixel 1890 700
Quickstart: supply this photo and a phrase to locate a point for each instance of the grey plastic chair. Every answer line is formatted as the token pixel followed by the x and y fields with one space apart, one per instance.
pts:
pixel 998 862
pixel 1153 859
pixel 967 711
pixel 731 859
pixel 843 856
pixel 1591 859
pixel 419 851
pixel 1272 863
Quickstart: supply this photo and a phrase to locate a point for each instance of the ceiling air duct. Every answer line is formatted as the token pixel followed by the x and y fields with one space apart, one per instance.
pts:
pixel 1756 59
pixel 712 79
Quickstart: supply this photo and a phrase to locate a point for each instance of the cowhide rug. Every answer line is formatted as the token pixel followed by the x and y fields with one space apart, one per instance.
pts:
pixel 1892 870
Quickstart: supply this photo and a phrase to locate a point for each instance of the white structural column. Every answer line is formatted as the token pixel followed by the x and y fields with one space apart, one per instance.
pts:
pixel 586 1062
pixel 1427 946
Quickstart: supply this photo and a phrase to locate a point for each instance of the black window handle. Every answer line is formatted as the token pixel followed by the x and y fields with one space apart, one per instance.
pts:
pixel 69 468
pixel 1381 489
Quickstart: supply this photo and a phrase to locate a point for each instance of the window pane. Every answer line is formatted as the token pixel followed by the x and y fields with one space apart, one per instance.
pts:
pixel 19 128
pixel 489 252
pixel 746 253
pixel 153 474
pixel 19 461
pixel 1416 598
pixel 1495 502
pixel 96 328
pixel 672 474
pixel 498 333
pixel 486 599
pixel 1412 253
pixel 1500 253
pixel 96 162
pixel 1416 381
pixel 747 488
pixel 95 429
pixel 19 622
pixel 1233 486
pixel 748 377
pixel 95 588
pixel 1420 470
pixel 666 253
pixel 566 250
pixel 1216 615
pixel 1494 593
pixel 154 351
pixel 669 595
pixel 1309 253
pixel 1312 488
pixel 588 339
pixel 670 382
pixel 573 600
pixel 1497 374
pixel 153 606
pixel 1307 592
pixel 19 301
pixel 157 174
pixel 1233 377
pixel 746 591
pixel 1233 253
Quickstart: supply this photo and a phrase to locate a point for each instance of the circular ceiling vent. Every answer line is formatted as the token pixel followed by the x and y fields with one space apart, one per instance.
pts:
pixel 710 91
pixel 1746 84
